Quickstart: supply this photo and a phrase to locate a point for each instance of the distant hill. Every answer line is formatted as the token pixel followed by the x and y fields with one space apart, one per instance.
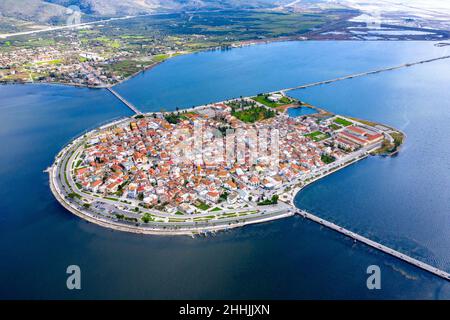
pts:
pixel 53 11
pixel 20 15
pixel 127 7
pixel 411 15
pixel 32 10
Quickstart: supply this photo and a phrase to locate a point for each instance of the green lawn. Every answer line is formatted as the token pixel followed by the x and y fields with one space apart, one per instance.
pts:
pixel 147 218
pixel 79 162
pixel 263 99
pixel 56 61
pixel 109 42
pixel 327 159
pixel 173 118
pixel 204 218
pixel 160 57
pixel 334 127
pixel 74 195
pixel 126 68
pixel 131 37
pixel 317 136
pixel 202 206
pixel 343 122
pixel 84 31
pixel 253 114
pixel 233 215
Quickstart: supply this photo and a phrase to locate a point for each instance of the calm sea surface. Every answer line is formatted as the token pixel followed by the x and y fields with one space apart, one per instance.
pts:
pixel 403 202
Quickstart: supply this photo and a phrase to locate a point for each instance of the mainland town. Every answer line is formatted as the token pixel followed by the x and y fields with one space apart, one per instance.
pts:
pixel 211 167
pixel 99 63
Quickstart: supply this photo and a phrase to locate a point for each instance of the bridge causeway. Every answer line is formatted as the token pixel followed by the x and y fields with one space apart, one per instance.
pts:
pixel 419 264
pixel 124 101
pixel 362 74
pixel 356 75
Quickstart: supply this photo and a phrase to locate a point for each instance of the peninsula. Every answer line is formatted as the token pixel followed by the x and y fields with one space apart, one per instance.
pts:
pixel 209 168
pixel 215 167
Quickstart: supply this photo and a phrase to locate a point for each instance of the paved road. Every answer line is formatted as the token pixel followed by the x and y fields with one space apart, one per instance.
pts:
pixel 9 35
pixel 77 25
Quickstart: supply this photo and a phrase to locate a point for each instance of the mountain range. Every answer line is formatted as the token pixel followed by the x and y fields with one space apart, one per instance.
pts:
pixel 413 13
pixel 50 11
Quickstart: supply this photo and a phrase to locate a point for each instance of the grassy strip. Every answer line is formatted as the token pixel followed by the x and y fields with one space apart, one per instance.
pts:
pixel 327 159
pixel 343 122
pixel 202 206
pixel 263 99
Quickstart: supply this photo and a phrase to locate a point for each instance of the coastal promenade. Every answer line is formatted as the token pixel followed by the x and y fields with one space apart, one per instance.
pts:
pixel 422 265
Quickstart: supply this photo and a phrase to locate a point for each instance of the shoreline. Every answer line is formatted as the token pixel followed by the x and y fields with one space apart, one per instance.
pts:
pixel 244 43
pixel 146 68
pixel 112 224
pixel 77 85
pixel 297 190
pixel 149 231
pixel 237 45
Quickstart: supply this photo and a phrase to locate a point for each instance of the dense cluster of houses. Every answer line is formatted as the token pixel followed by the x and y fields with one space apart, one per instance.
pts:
pixel 175 165
pixel 56 64
pixel 81 58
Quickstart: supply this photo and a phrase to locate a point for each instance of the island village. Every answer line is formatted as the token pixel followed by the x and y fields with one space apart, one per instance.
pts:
pixel 211 167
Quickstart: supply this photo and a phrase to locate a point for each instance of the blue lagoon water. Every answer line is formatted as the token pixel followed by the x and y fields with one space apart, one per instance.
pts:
pixel 402 201
pixel 191 80
pixel 300 111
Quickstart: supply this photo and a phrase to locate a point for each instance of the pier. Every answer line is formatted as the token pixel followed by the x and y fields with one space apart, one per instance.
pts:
pixel 362 74
pixel 124 101
pixel 422 265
